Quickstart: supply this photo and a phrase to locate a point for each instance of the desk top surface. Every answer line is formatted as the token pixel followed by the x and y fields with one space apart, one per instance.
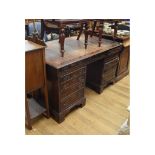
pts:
pixel 75 50
pixel 31 46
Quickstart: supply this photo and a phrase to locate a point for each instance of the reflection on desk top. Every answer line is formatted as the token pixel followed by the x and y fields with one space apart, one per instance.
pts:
pixel 75 51
pixel 31 46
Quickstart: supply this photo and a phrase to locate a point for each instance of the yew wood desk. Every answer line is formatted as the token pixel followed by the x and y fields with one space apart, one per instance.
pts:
pixel 67 76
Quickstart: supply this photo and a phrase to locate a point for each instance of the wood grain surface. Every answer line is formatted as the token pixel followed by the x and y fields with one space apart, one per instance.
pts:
pixel 103 114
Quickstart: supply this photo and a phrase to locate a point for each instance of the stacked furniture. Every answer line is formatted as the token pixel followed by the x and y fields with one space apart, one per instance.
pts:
pixel 68 74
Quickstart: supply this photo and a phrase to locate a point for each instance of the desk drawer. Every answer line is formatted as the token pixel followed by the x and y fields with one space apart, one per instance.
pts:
pixel 109 74
pixel 111 63
pixel 70 100
pixel 73 75
pixel 72 67
pixel 64 92
pixel 66 84
pixel 114 51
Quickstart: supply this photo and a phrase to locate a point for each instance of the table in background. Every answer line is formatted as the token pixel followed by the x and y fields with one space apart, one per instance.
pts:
pixel 61 23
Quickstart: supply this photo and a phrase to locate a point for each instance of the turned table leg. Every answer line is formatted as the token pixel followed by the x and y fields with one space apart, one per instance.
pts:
pixel 86 35
pixel 81 29
pixel 100 33
pixel 94 26
pixel 61 41
pixel 115 30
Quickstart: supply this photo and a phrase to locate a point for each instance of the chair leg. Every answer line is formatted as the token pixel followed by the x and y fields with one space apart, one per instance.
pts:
pixel 28 125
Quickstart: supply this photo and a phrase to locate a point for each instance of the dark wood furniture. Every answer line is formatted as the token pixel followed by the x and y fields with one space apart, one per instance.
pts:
pixel 103 72
pixel 66 77
pixel 35 78
pixel 123 68
pixel 124 56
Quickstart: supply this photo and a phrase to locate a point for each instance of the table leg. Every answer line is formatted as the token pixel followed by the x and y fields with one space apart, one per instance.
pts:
pixel 86 35
pixel 27 29
pixel 100 33
pixel 94 26
pixel 115 30
pixel 42 29
pixel 61 41
pixel 81 29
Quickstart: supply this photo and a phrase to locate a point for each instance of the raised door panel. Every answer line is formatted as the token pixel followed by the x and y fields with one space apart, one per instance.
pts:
pixel 124 58
pixel 34 67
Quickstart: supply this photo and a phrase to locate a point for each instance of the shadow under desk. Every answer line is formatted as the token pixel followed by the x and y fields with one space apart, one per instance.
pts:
pixel 67 76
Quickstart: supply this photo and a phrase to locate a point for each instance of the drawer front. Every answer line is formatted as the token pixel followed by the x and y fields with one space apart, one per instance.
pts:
pixel 73 75
pixel 64 85
pixel 66 91
pixel 111 63
pixel 68 101
pixel 95 58
pixel 71 68
pixel 109 74
pixel 114 51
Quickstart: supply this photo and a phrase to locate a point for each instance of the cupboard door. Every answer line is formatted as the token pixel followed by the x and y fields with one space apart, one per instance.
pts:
pixel 124 58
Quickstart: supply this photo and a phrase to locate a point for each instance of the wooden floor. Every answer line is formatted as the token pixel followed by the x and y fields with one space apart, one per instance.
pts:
pixel 102 114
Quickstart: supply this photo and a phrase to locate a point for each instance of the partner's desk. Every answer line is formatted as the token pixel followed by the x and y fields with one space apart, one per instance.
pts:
pixel 67 76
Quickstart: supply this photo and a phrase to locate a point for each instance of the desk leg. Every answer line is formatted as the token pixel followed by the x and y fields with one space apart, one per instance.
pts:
pixel 100 33
pixel 61 41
